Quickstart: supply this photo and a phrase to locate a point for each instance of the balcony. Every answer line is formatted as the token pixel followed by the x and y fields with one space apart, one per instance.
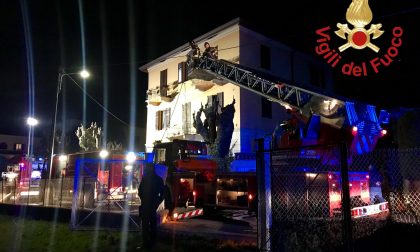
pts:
pixel 156 95
pixel 153 96
pixel 179 132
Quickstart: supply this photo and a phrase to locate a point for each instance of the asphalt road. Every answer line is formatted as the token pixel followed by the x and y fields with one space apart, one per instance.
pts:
pixel 232 225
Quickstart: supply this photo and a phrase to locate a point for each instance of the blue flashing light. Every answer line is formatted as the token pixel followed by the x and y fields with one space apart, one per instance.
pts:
pixel 351 113
pixel 372 113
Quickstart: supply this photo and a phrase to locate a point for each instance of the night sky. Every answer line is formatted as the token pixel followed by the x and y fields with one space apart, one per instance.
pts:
pixel 118 33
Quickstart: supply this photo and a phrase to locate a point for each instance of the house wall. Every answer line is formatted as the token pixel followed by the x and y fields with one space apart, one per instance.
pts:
pixel 228 46
pixel 288 66
pixel 240 45
pixel 253 124
pixel 11 140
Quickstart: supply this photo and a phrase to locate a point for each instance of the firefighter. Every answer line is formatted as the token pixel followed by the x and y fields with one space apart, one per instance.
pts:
pixel 151 192
pixel 209 51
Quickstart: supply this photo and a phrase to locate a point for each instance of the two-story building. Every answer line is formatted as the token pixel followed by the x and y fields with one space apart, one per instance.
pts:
pixel 172 99
pixel 13 148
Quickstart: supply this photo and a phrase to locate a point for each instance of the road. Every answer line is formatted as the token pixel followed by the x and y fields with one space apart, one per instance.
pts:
pixel 229 224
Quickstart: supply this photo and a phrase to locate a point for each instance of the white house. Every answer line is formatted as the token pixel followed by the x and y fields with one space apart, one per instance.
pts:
pixel 172 101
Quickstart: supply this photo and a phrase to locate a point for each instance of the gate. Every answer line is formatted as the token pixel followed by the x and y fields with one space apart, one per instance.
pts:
pixel 319 198
pixel 105 194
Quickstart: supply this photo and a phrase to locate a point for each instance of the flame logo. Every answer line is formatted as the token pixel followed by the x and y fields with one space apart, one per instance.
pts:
pixel 359 15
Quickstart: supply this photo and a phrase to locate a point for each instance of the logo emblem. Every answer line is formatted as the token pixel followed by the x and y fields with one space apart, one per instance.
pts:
pixel 359 15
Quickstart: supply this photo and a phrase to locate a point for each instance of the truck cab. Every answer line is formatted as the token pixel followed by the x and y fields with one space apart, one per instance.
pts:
pixel 190 176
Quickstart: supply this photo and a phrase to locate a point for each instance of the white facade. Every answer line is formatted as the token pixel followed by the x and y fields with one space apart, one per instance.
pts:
pixel 237 44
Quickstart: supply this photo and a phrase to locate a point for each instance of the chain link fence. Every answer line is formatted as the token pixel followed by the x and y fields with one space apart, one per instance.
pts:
pixel 394 178
pixel 101 195
pixel 305 202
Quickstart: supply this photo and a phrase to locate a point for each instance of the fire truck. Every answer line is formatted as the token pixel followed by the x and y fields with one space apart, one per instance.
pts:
pixel 194 182
pixel 316 118
pixel 22 181
pixel 92 179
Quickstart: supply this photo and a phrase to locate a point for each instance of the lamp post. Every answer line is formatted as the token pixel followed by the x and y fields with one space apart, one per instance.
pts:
pixel 31 121
pixel 83 74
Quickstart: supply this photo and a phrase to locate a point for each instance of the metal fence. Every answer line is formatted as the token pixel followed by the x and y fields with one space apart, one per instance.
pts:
pixel 301 206
pixel 97 201
pixel 395 176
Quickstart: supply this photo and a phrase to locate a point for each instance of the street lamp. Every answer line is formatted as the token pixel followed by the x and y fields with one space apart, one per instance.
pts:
pixel 131 157
pixel 103 154
pixel 83 74
pixel 31 121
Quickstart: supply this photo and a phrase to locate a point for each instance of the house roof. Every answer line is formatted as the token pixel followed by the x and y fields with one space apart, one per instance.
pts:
pixel 185 46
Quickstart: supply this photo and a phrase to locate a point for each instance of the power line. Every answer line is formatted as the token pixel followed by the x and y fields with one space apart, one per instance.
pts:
pixel 98 103
pixel 149 60
pixel 173 111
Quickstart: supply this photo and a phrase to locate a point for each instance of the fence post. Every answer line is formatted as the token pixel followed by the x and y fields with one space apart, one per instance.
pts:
pixel 260 169
pixel 14 198
pixel 346 209
pixel 61 190
pixel 29 189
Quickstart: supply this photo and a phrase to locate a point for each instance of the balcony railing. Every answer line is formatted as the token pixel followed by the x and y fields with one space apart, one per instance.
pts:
pixel 158 94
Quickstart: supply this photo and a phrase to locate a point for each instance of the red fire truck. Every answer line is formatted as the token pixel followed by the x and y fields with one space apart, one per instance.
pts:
pixel 92 178
pixel 194 182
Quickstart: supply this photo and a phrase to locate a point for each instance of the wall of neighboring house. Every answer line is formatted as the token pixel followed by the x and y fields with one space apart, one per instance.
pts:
pixel 11 146
pixel 253 118
pixel 284 64
pixel 11 142
pixel 258 115
pixel 195 92
pixel 310 72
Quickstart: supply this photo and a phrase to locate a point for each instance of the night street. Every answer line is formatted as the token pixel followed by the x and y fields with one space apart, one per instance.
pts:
pixel 209 126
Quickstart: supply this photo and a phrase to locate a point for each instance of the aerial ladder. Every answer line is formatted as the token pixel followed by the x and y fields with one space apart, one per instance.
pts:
pixel 328 120
pixel 358 120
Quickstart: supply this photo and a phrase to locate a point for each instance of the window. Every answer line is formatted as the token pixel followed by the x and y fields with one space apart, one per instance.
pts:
pixel 182 72
pixel 3 146
pixel 265 57
pixel 266 108
pixel 167 118
pixel 163 82
pixel 213 99
pixel 163 118
pixel 186 117
pixel 159 120
pixel 160 155
pixel 316 75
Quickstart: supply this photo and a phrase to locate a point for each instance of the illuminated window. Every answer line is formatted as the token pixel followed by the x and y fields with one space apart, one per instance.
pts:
pixel 160 155
pixel 163 119
pixel 166 118
pixel 18 146
pixel 182 72
pixel 265 57
pixel 186 117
